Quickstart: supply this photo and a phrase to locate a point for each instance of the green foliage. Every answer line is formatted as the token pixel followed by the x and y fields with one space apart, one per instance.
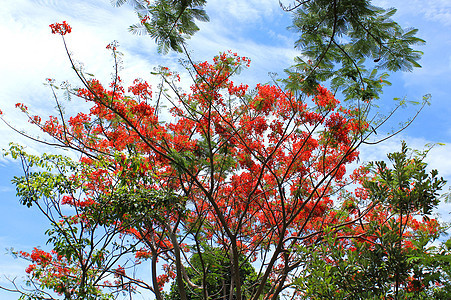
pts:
pixel 169 22
pixel 84 238
pixel 393 256
pixel 337 37
pixel 45 183
pixel 407 187
pixel 212 268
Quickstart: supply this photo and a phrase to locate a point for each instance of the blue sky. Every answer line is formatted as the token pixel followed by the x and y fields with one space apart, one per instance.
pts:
pixel 254 28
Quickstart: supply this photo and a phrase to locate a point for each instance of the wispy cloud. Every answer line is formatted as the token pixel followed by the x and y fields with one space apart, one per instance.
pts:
pixel 432 10
pixel 250 11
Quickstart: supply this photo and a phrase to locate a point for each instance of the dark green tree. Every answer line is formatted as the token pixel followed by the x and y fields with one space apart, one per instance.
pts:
pixel 348 42
pixel 213 269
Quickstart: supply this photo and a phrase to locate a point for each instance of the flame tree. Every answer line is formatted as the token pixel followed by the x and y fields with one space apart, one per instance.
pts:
pixel 240 186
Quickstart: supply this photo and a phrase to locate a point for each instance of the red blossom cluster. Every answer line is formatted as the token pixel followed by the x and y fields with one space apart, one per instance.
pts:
pixel 112 46
pixel 145 19
pixel 141 89
pixel 60 28
pixel 142 254
pixel 51 269
pixel 325 99
pixel 22 107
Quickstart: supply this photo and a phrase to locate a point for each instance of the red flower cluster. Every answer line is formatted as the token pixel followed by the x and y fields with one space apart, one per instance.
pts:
pixel 142 254
pixel 145 19
pixel 325 99
pixel 141 89
pixel 22 107
pixel 60 28
pixel 112 46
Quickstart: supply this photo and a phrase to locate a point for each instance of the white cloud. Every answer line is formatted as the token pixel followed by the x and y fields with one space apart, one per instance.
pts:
pixel 437 158
pixel 433 10
pixel 249 11
pixel 4 189
pixel 264 58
